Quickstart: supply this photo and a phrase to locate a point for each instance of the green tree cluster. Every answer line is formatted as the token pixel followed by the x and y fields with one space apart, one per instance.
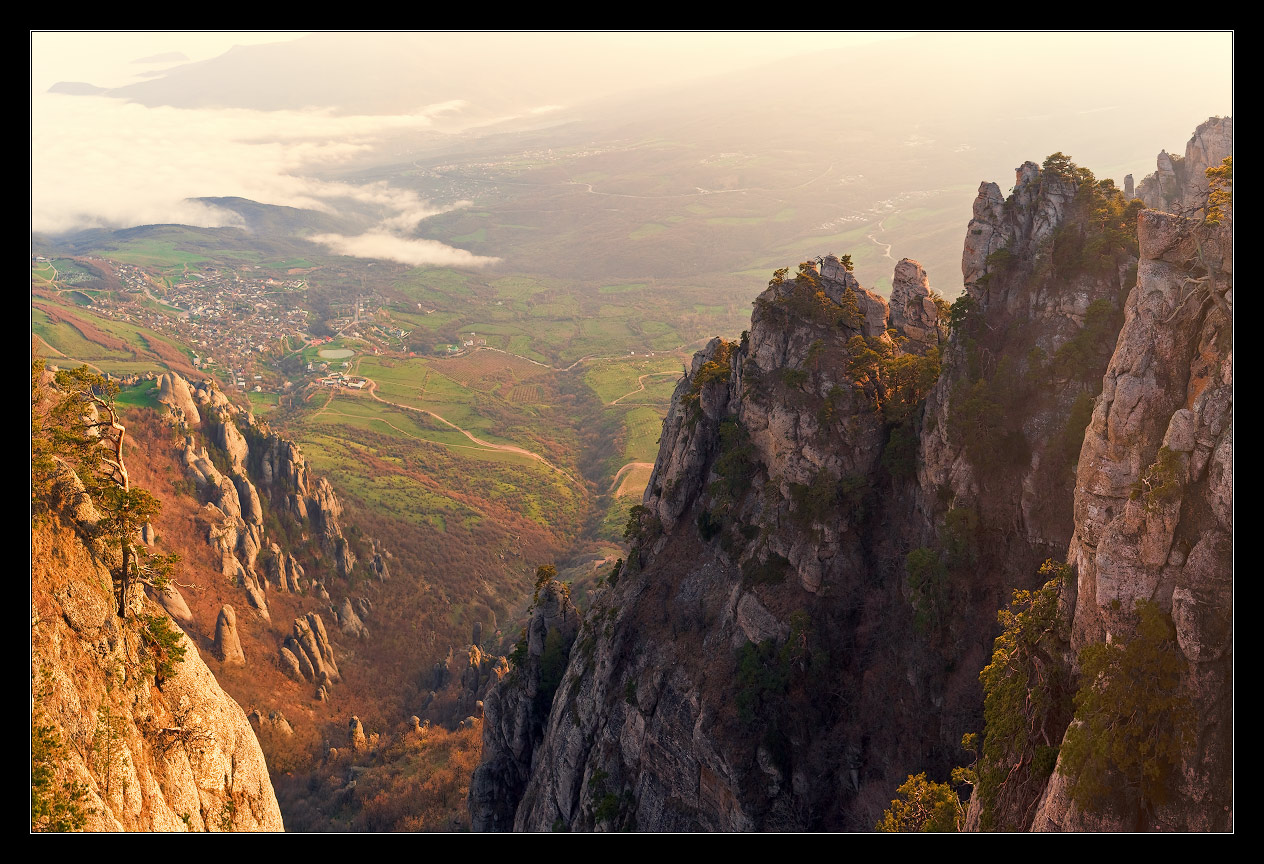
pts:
pixel 78 421
pixel 1160 483
pixel 896 382
pixel 165 643
pixel 766 672
pixel 1132 718
pixel 1026 705
pixel 806 300
pixel 717 369
pixel 930 573
pixel 1219 191
pixel 1100 230
pixel 1084 355
pixel 56 805
pixel 923 806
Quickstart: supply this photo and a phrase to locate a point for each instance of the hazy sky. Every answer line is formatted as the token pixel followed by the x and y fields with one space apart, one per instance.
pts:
pixel 105 162
pixel 110 59
pixel 99 161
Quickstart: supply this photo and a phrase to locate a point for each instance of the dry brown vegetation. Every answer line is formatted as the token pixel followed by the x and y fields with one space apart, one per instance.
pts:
pixel 416 782
pixel 441 585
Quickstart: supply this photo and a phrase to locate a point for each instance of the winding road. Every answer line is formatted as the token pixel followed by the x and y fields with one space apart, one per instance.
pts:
pixel 640 386
pixel 614 484
pixel 486 445
pixel 886 253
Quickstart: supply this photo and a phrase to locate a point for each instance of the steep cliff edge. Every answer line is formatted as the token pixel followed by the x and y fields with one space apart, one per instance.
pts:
pixel 834 518
pixel 1154 521
pixel 149 749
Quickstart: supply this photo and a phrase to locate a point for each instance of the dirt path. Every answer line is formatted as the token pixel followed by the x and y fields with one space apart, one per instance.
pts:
pixel 328 402
pixel 406 433
pixel 886 253
pixel 640 386
pixel 614 484
pixel 487 445
pixel 51 350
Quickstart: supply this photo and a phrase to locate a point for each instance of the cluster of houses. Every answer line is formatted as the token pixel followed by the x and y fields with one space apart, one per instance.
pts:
pixel 337 379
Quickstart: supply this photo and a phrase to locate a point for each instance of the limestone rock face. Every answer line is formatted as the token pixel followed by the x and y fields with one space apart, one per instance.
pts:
pixel 71 496
pixel 912 311
pixel 228 437
pixel 986 234
pixel 185 756
pixel 254 593
pixel 637 715
pixel 174 392
pixel 377 564
pixel 355 735
pixel 287 480
pixel 769 658
pixel 172 601
pixel 289 664
pixel 308 649
pixel 350 622
pixel 274 720
pixel 1031 312
pixel 514 717
pixel 1179 185
pixel 227 642
pixel 1165 417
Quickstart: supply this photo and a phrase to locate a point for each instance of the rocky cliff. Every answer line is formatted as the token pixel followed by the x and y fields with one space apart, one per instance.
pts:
pixel 139 748
pixel 1179 183
pixel 1154 517
pixel 845 496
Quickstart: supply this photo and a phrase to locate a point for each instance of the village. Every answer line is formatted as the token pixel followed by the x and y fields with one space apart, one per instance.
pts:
pixel 234 317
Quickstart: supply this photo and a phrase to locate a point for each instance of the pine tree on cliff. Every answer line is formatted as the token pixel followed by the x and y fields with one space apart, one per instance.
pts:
pixel 82 426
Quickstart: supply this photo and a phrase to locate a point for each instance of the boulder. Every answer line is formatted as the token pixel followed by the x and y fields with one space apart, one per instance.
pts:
pixel 173 391
pixel 355 735
pixel 227 642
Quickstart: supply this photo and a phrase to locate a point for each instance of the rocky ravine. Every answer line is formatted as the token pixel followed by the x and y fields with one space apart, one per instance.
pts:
pixel 771 658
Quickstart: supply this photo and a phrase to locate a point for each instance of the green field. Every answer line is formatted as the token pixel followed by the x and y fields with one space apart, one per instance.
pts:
pixel 642 427
pixel 143 395
pixel 124 348
pixel 385 460
pixel 611 379
pixel 262 404
pixel 43 272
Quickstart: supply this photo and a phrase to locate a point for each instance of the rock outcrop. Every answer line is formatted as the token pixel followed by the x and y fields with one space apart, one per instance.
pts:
pixel 515 716
pixel 173 603
pixel 307 653
pixel 1179 185
pixel 176 754
pixel 356 739
pixel 175 393
pixel 913 311
pixel 349 621
pixel 227 642
pixel 1154 510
